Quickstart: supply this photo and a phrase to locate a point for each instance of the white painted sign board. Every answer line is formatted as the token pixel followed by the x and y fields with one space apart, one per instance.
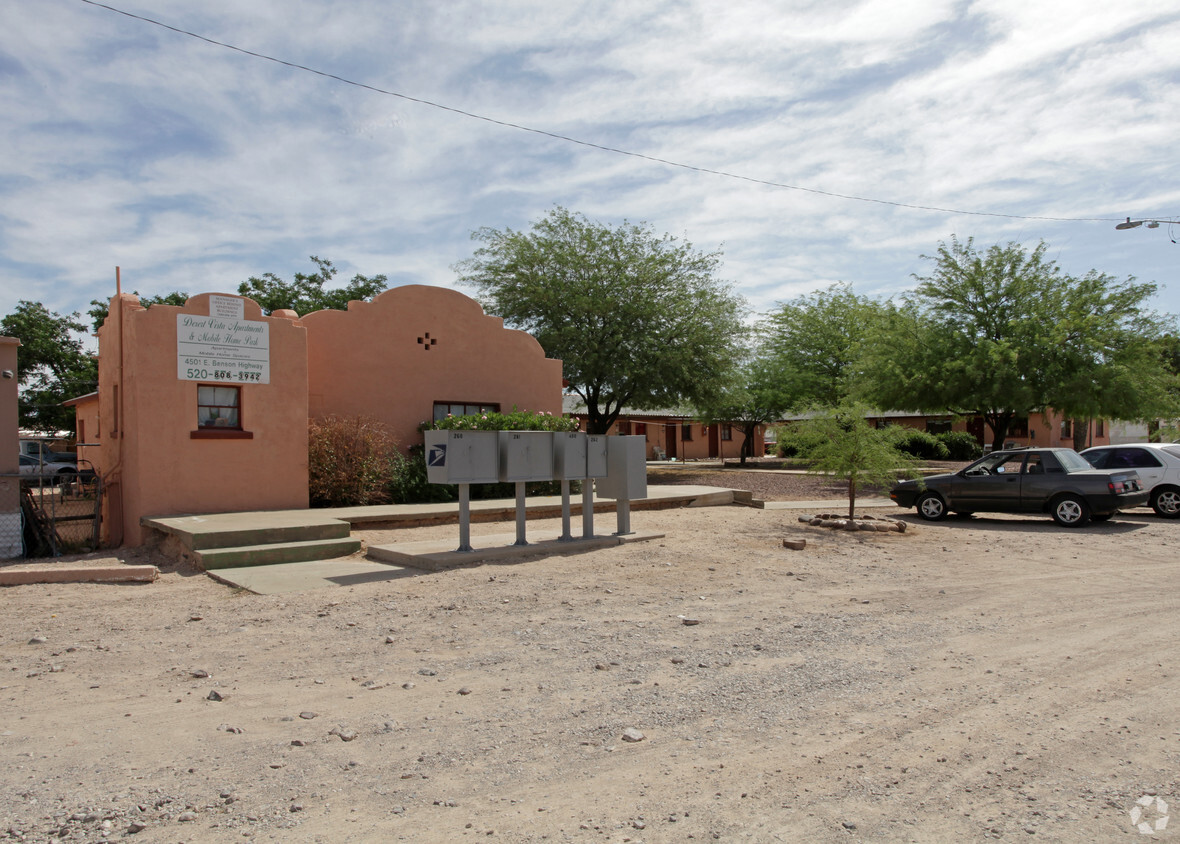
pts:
pixel 225 349
pixel 227 307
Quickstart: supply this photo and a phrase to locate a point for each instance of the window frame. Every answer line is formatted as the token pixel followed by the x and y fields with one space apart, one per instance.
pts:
pixel 221 432
pixel 467 408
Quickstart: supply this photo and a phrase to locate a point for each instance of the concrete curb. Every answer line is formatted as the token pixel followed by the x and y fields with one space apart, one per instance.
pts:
pixel 78 574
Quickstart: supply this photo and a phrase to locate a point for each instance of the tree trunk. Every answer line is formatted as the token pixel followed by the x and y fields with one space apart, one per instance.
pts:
pixel 851 498
pixel 595 424
pixel 748 442
pixel 1081 427
pixel 999 433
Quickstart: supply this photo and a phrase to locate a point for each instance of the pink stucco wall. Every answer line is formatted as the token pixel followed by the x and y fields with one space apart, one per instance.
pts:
pixel 706 442
pixel 392 358
pixel 389 359
pixel 86 427
pixel 153 458
pixel 10 518
pixel 9 409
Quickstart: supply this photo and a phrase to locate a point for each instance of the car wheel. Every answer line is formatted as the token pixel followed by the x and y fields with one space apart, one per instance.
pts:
pixel 931 507
pixel 1071 511
pixel 1166 502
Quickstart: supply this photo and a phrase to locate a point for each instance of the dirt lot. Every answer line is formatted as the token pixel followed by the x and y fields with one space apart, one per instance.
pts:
pixel 990 678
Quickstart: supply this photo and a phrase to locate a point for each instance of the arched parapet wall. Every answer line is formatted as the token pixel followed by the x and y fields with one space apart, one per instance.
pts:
pixel 154 451
pixel 414 345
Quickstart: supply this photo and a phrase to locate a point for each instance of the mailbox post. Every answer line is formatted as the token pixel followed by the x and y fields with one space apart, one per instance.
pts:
pixel 569 464
pixel 525 456
pixel 463 458
pixel 595 468
pixel 626 476
pixel 466 457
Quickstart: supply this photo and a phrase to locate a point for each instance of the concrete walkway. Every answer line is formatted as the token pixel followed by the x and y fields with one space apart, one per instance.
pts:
pixel 390 562
pixel 839 505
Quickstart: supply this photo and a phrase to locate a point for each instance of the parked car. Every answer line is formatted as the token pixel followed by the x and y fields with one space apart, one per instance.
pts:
pixel 40 450
pixel 1057 481
pixel 53 472
pixel 1158 465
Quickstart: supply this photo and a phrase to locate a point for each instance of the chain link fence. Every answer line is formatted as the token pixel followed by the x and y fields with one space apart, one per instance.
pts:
pixel 50 515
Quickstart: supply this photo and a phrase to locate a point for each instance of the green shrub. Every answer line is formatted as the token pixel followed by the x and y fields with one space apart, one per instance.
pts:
pixel 918 443
pixel 350 461
pixel 960 445
pixel 517 420
pixel 408 484
pixel 355 461
pixel 798 441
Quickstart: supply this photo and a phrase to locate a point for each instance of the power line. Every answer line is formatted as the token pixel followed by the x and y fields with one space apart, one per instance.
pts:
pixel 590 144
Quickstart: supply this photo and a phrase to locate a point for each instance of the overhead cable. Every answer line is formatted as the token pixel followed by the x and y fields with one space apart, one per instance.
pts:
pixel 566 138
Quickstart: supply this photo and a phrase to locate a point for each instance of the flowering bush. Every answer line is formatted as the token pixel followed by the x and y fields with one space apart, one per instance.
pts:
pixel 350 461
pixel 517 420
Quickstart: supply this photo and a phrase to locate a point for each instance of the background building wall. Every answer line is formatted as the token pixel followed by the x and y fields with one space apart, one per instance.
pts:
pixel 393 357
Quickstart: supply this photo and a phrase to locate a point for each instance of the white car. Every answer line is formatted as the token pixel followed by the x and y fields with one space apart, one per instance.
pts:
pixel 54 472
pixel 1158 465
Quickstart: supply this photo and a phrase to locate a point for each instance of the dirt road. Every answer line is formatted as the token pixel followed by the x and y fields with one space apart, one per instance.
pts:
pixel 990 678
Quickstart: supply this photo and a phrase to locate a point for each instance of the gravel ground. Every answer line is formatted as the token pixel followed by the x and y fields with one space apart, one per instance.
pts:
pixel 992 678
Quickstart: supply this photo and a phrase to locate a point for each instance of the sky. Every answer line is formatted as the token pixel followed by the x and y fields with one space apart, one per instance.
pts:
pixel 882 128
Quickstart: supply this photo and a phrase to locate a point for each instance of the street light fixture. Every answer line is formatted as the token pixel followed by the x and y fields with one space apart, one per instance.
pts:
pixel 1134 224
pixel 1151 224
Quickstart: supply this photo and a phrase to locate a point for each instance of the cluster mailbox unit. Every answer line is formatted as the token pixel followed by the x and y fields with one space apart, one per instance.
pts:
pixel 475 457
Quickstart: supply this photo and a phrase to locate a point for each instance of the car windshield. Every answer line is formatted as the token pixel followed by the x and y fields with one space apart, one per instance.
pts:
pixel 1002 462
pixel 1071 461
pixel 1173 450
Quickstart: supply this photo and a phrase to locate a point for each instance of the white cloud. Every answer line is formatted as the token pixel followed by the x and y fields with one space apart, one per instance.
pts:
pixel 194 166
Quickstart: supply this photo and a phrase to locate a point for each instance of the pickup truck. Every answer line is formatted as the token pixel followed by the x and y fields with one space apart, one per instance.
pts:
pixel 1057 481
pixel 40 450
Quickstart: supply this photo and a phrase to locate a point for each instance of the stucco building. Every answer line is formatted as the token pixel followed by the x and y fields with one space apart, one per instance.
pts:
pixel 675 434
pixel 204 408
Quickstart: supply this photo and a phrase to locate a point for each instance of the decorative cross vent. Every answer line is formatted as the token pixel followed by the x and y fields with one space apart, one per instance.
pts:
pixel 427 341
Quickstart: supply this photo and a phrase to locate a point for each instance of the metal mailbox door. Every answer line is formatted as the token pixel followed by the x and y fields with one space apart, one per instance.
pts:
pixel 526 455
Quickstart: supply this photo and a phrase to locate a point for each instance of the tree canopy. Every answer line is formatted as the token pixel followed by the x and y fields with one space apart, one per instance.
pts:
pixel 753 395
pixel 100 309
pixel 52 365
pixel 813 343
pixel 848 447
pixel 639 320
pixel 306 292
pixel 1004 332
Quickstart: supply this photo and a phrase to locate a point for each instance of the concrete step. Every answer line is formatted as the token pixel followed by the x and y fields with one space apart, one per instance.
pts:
pixel 276 552
pixel 232 530
pixel 269 535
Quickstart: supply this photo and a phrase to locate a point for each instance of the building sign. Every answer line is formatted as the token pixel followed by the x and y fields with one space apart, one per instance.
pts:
pixel 226 349
pixel 227 307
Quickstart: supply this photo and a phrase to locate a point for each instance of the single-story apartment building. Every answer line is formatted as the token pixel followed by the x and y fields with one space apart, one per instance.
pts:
pixel 673 434
pixel 1047 429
